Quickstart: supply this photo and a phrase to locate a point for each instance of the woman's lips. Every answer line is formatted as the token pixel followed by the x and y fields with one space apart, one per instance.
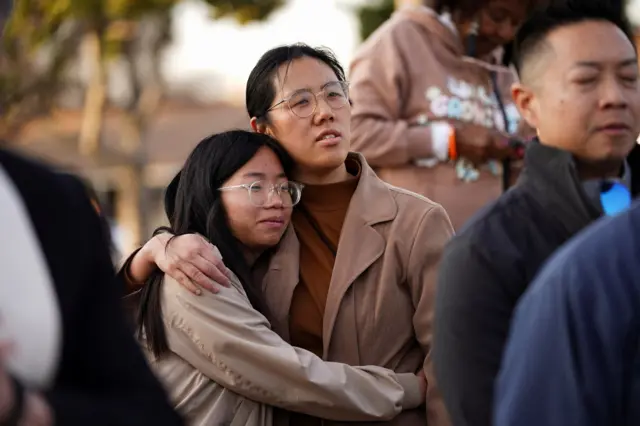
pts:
pixel 273 223
pixel 329 142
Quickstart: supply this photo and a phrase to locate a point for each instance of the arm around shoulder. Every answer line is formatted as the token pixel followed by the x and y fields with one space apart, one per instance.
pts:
pixel 226 339
pixel 140 264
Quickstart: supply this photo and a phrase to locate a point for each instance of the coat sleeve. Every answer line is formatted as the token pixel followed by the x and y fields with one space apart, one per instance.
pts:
pixel 123 274
pixel 434 231
pixel 379 84
pixel 472 323
pixel 574 340
pixel 106 380
pixel 230 342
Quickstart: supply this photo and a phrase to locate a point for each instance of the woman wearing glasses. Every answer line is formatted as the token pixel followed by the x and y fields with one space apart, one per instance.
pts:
pixel 216 354
pixel 353 280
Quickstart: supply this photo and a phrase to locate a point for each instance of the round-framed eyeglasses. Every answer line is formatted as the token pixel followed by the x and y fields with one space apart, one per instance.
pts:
pixel 260 192
pixel 304 103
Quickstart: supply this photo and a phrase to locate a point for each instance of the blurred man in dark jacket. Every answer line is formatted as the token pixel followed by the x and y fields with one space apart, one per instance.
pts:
pixel 579 88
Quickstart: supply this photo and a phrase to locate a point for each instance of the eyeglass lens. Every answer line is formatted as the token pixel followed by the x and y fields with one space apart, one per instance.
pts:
pixel 259 193
pixel 304 103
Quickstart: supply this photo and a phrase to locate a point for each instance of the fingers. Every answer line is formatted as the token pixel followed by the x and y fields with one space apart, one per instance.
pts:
pixel 213 268
pixel 205 269
pixel 197 277
pixel 210 273
pixel 194 262
pixel 208 260
pixel 474 153
pixel 185 282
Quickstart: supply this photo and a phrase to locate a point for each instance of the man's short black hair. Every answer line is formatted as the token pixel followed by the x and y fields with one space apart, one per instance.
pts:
pixel 532 34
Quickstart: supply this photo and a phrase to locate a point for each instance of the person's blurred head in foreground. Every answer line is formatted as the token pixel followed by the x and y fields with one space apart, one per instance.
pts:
pixel 578 70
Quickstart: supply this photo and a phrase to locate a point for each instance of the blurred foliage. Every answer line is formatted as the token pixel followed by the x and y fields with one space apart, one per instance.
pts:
pixel 30 82
pixel 371 16
pixel 244 11
pixel 59 26
pixel 36 22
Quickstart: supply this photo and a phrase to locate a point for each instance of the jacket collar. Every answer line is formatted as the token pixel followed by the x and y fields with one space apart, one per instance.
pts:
pixel 550 174
pixel 360 242
pixel 360 246
pixel 372 201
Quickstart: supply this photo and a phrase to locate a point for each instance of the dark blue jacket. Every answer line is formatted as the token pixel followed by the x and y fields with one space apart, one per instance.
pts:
pixel 573 357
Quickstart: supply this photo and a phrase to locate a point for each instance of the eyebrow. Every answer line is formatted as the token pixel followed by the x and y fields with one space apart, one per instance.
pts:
pixel 594 64
pixel 261 175
pixel 309 89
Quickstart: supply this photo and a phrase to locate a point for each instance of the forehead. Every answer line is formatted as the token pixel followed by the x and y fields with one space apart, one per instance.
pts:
pixel 264 160
pixel 592 41
pixel 303 73
pixel 265 164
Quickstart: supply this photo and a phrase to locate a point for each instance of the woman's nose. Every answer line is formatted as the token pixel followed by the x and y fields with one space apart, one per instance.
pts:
pixel 323 110
pixel 274 200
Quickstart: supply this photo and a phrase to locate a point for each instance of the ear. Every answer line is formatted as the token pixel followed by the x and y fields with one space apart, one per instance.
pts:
pixel 527 103
pixel 259 126
pixel 254 125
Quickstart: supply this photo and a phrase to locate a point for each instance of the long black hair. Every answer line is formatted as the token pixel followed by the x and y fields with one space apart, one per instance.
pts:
pixel 261 91
pixel 196 207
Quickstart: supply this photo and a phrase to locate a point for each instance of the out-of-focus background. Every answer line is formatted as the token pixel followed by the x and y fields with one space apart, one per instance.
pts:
pixel 120 91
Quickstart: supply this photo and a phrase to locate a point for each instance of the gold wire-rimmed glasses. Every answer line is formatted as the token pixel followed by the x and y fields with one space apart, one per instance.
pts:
pixel 303 103
pixel 260 192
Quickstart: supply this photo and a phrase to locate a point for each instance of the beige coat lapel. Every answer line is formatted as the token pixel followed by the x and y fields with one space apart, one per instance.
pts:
pixel 280 280
pixel 360 244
